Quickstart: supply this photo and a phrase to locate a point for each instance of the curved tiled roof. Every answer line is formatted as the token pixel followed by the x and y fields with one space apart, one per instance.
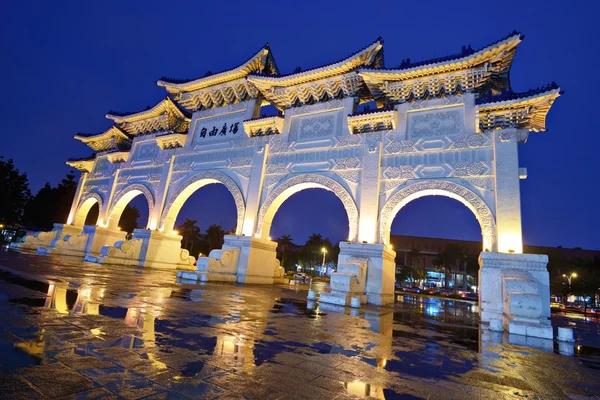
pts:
pixel 466 51
pixel 116 115
pixel 379 62
pixel 269 66
pixel 507 95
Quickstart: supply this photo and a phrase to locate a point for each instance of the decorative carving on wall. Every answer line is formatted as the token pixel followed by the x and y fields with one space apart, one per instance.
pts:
pixel 136 186
pixel 229 183
pixel 349 140
pixel 277 168
pixel 387 185
pixel 471 169
pixel 320 180
pixel 240 161
pixel 315 127
pixel 350 176
pixel 245 171
pixel 399 172
pixel 182 166
pixel 155 177
pixel 346 163
pixel 270 180
pixel 482 211
pixel 435 123
pixel 145 151
pixel 471 141
pixel 481 183
pixel 404 146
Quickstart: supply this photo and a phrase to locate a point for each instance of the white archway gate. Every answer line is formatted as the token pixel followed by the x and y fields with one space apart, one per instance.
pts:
pixel 444 127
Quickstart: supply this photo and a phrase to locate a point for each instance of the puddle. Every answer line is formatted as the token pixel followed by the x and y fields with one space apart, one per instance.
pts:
pixel 195 329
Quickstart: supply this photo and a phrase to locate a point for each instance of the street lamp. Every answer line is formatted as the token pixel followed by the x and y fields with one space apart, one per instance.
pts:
pixel 569 277
pixel 324 251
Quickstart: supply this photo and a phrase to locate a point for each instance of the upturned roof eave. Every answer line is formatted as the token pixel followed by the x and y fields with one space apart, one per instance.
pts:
pixel 220 77
pixel 555 93
pixel 153 112
pixel 458 63
pixel 336 68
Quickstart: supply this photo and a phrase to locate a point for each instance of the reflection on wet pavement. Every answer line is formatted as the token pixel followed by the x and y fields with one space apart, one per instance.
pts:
pixel 89 331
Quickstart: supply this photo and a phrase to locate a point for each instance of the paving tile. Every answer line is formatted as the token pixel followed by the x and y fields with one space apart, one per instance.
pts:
pixel 98 393
pixel 56 380
pixel 77 362
pixel 14 387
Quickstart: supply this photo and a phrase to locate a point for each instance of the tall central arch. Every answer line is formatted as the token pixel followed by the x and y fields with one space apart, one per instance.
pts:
pixel 440 188
pixel 300 182
pixel 187 188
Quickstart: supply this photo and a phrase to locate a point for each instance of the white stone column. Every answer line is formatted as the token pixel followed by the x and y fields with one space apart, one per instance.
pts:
pixel 368 197
pixel 161 195
pixel 103 214
pixel 507 191
pixel 77 197
pixel 254 192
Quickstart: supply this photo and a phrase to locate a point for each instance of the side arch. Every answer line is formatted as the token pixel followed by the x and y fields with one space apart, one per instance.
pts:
pixel 123 198
pixel 444 188
pixel 300 182
pixel 85 204
pixel 187 188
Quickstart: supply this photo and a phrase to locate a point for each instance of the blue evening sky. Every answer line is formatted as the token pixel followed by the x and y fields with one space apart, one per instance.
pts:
pixel 65 64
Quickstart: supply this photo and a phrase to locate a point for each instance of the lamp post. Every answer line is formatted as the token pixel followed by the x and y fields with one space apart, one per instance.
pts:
pixel 324 251
pixel 569 277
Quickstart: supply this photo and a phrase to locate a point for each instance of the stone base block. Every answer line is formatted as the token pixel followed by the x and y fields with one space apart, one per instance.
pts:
pixel 257 262
pixel 44 240
pixel 148 249
pixel 381 267
pixel 536 330
pixel 522 276
pixel 341 299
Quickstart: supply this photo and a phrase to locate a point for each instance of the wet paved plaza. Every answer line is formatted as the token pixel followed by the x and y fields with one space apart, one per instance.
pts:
pixel 79 330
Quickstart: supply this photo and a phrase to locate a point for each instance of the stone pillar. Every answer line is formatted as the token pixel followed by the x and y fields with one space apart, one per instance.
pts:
pixel 369 193
pixel 103 213
pixel 254 192
pixel 161 196
pixel 77 197
pixel 507 190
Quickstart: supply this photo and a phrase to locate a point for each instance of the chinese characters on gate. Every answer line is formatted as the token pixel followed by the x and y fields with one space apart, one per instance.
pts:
pixel 232 128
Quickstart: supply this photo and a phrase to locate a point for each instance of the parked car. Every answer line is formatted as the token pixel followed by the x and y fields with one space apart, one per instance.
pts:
pixel 303 278
pixel 557 307
pixel 470 296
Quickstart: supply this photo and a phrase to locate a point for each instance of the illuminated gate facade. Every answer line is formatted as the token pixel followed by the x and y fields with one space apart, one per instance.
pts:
pixel 376 137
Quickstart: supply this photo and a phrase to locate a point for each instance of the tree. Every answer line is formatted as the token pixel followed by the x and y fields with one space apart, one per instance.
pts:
pixel 191 234
pixel 449 259
pixel 51 204
pixel 284 241
pixel 415 258
pixel 128 221
pixel 14 194
pixel 215 237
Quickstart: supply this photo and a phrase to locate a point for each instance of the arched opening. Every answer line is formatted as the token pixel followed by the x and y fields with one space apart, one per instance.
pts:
pixel 305 223
pixel 302 182
pixel 178 198
pixel 437 229
pixel 205 217
pixel 92 217
pixel 85 214
pixel 117 214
